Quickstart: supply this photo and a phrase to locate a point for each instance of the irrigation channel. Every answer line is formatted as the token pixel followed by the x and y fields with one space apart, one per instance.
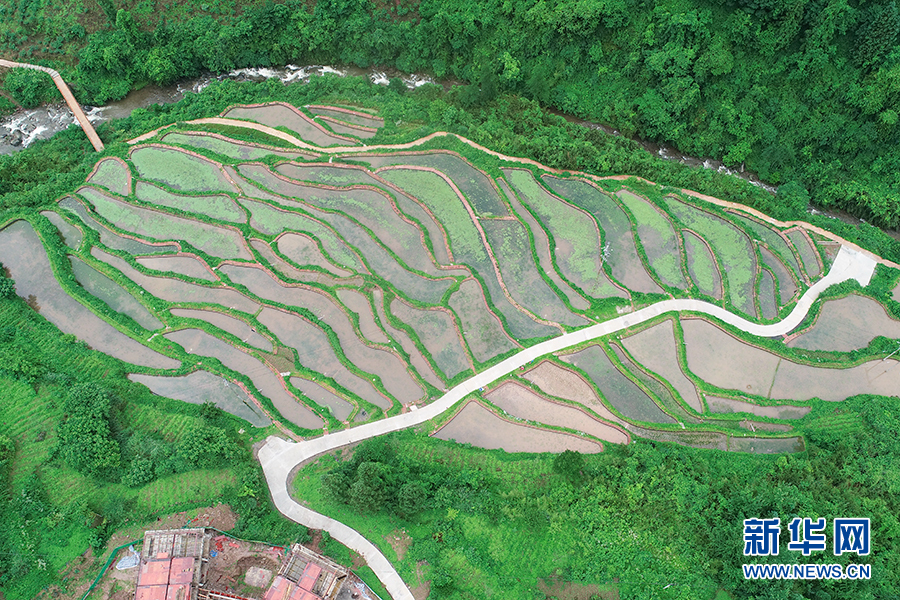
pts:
pixel 279 458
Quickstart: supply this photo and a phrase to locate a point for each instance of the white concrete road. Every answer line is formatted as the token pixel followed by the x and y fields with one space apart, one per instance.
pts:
pixel 279 457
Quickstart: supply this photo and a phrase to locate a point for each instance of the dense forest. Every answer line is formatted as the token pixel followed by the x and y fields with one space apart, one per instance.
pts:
pixel 803 92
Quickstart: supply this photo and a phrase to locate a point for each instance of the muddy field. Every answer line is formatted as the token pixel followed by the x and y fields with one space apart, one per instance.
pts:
pixel 655 349
pixel 568 385
pixel 730 405
pixel 523 403
pixel 847 324
pixel 478 426
pixel 277 115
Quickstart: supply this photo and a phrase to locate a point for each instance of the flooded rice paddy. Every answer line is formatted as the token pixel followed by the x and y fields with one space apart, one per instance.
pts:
pixel 110 238
pixel 728 363
pixel 183 265
pixel 112 174
pixel 578 248
pixel 787 284
pixel 239 329
pixel 717 404
pixel 481 328
pixel 314 351
pixel 177 291
pixel 847 324
pixel 113 294
pixel 201 387
pixel 436 331
pixel 656 349
pixel 216 206
pixel 622 393
pixel 197 341
pixel 70 234
pixel 558 381
pixel 22 252
pixel 472 269
pixel 340 408
pixel 215 241
pixel 541 246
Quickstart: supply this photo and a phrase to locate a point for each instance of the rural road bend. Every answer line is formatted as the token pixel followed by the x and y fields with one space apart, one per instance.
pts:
pixel 279 457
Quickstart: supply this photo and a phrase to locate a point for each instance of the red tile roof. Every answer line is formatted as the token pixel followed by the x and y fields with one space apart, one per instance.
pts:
pixel 310 574
pixel 150 592
pixel 154 572
pixel 182 570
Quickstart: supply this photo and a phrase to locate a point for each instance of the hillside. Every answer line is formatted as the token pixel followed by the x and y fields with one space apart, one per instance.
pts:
pixel 804 92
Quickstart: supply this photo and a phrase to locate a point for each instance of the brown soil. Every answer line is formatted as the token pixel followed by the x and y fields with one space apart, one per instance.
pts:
pixel 229 567
pixel 421 591
pixel 478 426
pixel 399 541
pixel 563 383
pixel 523 403
pixel 570 590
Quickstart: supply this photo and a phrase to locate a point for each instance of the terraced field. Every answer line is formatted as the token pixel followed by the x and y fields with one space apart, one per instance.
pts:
pixel 326 293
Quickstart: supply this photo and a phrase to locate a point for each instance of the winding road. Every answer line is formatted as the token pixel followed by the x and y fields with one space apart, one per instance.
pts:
pixel 279 457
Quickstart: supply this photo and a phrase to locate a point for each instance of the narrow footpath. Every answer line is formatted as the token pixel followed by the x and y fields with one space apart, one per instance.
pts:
pixel 67 96
pixel 279 457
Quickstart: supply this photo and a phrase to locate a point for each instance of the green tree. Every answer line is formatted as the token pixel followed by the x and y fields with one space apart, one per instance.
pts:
pixel 139 473
pixel 370 489
pixel 84 438
pixel 569 465
pixel 411 498
pixel 30 88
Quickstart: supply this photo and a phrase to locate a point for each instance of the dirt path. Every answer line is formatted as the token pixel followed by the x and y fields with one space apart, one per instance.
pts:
pixel 67 95
pixel 279 457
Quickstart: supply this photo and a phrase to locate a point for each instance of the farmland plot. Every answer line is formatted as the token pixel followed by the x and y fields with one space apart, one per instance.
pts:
pixel 197 341
pixel 218 206
pixel 478 426
pixel 22 252
pixel 113 294
pixel 180 170
pixel 216 241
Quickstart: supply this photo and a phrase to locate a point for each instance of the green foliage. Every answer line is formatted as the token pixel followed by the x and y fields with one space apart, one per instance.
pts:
pixel 569 465
pixel 30 88
pixel 645 516
pixel 85 441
